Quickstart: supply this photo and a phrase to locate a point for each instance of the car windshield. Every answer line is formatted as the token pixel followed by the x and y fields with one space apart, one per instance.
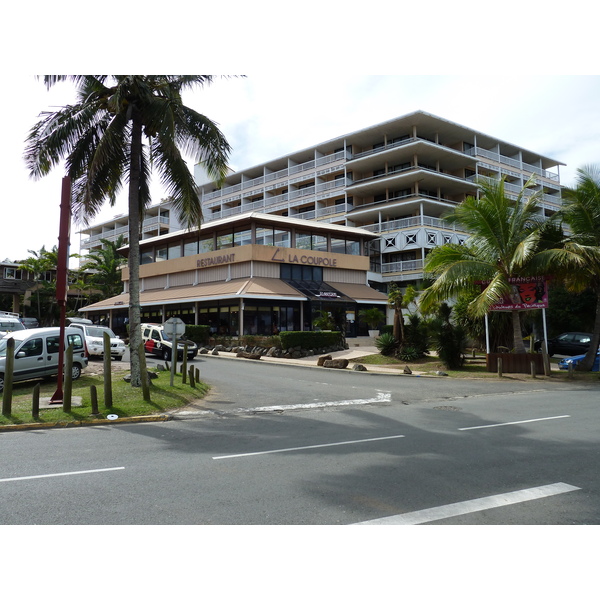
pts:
pixel 100 331
pixel 3 347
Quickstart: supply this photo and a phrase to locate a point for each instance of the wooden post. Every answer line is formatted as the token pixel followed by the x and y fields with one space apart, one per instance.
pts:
pixel 499 367
pixel 192 381
pixel 94 399
pixel 532 369
pixel 35 402
pixel 570 370
pixel 184 367
pixel 68 383
pixel 144 373
pixel 108 391
pixel 8 377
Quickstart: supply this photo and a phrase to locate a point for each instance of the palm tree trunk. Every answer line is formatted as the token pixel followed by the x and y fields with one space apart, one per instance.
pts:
pixel 588 361
pixel 135 334
pixel 518 345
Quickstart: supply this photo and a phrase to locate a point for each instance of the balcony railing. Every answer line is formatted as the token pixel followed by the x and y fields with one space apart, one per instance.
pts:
pixel 411 223
pixel 403 265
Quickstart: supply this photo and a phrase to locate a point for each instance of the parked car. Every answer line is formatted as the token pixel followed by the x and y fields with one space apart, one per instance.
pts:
pixel 30 322
pixel 9 322
pixel 570 343
pixel 94 339
pixel 157 342
pixel 36 353
pixel 574 360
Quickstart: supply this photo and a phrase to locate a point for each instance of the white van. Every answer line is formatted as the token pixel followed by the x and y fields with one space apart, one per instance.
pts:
pixel 36 353
pixel 94 338
pixel 10 322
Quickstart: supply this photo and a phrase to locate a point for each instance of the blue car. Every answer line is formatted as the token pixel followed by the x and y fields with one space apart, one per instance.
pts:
pixel 565 362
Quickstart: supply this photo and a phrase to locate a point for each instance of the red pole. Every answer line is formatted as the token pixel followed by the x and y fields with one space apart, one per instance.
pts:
pixel 61 280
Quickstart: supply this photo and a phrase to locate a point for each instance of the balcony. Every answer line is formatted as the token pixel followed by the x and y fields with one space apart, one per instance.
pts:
pixel 411 223
pixel 400 266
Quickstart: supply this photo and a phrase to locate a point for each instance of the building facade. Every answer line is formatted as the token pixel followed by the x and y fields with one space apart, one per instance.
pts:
pixel 395 179
pixel 252 274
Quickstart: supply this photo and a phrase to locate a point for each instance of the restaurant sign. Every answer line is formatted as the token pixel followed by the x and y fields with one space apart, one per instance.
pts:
pixel 526 293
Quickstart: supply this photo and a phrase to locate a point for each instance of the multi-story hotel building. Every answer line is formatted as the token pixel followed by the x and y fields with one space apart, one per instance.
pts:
pixel 396 179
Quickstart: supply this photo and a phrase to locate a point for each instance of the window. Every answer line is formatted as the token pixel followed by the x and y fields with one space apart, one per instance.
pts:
pixel 338 245
pixel 161 254
pixel 146 257
pixel 12 273
pixel 190 248
pixel 431 237
pixel 301 273
pixel 411 238
pixel 52 344
pixel 174 251
pixel 206 245
pixel 224 241
pixel 33 347
pixel 242 237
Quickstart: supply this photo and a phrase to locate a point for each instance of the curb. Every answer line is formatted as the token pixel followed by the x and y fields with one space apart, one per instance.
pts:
pixel 66 424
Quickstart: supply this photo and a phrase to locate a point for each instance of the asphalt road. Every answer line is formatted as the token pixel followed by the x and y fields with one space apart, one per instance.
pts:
pixel 285 445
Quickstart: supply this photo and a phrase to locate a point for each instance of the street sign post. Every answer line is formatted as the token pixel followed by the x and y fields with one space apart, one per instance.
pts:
pixel 174 328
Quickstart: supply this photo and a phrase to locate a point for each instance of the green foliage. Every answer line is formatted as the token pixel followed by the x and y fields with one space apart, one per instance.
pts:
pixel 568 311
pixel 416 336
pixel 409 353
pixel 324 320
pixel 450 340
pixel 386 344
pixel 372 317
pixel 199 334
pixel 310 339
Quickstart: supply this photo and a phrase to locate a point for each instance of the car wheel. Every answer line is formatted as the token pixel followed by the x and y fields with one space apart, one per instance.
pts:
pixel 166 354
pixel 75 372
pixel 118 358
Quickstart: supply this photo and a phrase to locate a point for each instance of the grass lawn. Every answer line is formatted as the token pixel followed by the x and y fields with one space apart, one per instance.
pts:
pixel 431 364
pixel 127 401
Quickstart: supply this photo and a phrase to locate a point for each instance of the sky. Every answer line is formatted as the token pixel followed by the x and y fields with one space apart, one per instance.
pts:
pixel 264 117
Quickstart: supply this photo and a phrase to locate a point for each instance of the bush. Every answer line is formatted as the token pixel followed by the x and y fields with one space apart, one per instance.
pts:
pixel 386 344
pixel 450 340
pixel 310 339
pixel 197 333
pixel 409 353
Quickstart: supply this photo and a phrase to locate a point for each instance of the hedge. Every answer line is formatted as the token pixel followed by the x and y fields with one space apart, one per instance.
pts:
pixel 197 333
pixel 310 339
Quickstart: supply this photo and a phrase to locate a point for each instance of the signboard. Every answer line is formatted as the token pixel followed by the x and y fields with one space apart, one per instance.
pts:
pixel 174 327
pixel 527 293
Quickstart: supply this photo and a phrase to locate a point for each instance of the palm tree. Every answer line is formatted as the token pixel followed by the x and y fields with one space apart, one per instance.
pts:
pixel 505 242
pixel 102 138
pixel 577 262
pixel 399 301
pixel 104 264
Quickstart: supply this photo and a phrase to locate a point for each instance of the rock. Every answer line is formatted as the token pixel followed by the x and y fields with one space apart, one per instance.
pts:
pixel 407 370
pixel 322 359
pixel 151 376
pixel 252 355
pixel 336 363
pixel 441 373
pixel 358 367
pixel 203 351
pixel 215 352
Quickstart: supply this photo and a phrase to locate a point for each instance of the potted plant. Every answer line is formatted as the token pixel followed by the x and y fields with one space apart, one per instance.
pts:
pixel 372 317
pixel 324 321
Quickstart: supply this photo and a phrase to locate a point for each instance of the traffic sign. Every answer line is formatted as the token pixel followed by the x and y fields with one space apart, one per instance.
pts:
pixel 174 326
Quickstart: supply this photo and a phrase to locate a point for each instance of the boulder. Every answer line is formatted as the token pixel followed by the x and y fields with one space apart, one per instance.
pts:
pixel 252 355
pixel 336 363
pixel 407 370
pixel 358 367
pixel 322 359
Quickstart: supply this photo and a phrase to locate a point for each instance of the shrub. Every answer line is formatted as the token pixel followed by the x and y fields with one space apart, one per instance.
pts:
pixel 310 339
pixel 197 333
pixel 386 344
pixel 409 353
pixel 450 340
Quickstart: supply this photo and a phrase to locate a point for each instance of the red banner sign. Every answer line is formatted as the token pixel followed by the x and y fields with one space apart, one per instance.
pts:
pixel 527 293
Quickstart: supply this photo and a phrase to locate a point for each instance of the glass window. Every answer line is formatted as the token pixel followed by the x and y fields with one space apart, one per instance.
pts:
pixel 146 257
pixel 242 237
pixel 161 254
pixel 282 238
pixel 224 241
pixel 264 236
pixel 303 241
pixel 338 246
pixel 190 248
pixel 319 242
pixel 174 251
pixel 206 245
pixel 352 247
pixel 33 347
pixel 52 344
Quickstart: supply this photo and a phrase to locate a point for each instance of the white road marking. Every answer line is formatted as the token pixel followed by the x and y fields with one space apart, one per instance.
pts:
pixel 470 506
pixel 61 474
pixel 381 397
pixel 390 437
pixel 514 422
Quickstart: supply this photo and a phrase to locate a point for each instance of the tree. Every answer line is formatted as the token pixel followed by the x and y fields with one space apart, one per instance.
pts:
pixel 103 266
pixel 577 262
pixel 400 301
pixel 120 127
pixel 505 241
